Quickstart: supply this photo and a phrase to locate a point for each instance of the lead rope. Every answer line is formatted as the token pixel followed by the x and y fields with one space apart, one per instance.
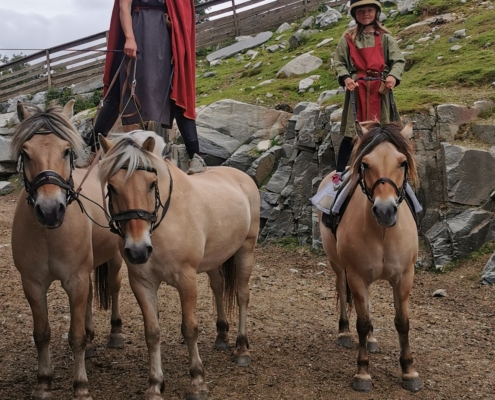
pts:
pixel 133 96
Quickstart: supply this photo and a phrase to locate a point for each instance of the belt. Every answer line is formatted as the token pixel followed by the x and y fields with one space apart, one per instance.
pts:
pixel 370 73
pixel 139 7
pixel 160 8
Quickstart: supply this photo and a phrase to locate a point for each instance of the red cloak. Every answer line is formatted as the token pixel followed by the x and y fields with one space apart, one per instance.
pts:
pixel 183 40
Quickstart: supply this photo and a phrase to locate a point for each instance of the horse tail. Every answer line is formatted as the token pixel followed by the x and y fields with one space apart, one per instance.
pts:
pixel 101 289
pixel 348 292
pixel 228 271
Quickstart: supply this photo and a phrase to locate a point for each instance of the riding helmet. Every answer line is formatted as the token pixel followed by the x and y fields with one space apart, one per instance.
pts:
pixel 355 4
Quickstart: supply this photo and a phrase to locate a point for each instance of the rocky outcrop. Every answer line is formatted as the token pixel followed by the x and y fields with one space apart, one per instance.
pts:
pixel 238 47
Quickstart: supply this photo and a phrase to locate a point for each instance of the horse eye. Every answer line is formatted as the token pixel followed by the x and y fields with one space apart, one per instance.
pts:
pixel 111 188
pixel 67 152
pixel 403 164
pixel 365 166
pixel 153 185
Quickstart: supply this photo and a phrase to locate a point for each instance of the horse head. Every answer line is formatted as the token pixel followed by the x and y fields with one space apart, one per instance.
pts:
pixel 383 162
pixel 131 171
pixel 46 144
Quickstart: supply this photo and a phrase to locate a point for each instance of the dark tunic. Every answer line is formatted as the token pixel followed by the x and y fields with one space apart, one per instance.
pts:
pixel 154 66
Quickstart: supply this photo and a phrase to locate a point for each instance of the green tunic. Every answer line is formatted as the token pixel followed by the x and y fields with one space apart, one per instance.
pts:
pixel 394 65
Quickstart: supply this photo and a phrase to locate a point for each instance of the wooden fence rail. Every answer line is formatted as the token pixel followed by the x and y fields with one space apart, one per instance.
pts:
pixel 58 67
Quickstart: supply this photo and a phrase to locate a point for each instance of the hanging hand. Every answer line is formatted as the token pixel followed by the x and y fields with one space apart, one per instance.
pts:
pixel 350 84
pixel 130 48
pixel 390 82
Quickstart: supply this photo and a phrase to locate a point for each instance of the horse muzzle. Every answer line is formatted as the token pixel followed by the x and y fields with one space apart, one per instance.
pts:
pixel 50 211
pixel 138 252
pixel 385 212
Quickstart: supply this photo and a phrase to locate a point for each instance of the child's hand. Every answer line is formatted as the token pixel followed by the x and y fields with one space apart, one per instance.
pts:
pixel 350 84
pixel 390 82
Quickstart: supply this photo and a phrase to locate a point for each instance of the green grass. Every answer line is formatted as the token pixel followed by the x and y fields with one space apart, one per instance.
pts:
pixel 434 74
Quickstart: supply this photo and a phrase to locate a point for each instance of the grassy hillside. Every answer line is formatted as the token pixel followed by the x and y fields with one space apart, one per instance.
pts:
pixel 434 74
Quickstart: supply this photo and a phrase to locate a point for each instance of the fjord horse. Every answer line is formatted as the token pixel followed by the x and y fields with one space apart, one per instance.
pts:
pixel 199 223
pixel 53 239
pixel 376 239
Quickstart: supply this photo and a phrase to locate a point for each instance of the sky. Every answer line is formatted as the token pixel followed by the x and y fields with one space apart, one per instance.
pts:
pixel 40 24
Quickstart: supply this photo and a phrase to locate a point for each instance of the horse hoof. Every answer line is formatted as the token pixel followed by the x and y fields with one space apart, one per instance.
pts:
pixel 413 385
pixel 202 395
pixel 89 353
pixel 361 385
pixel 372 347
pixel 243 361
pixel 345 341
pixel 219 345
pixel 115 342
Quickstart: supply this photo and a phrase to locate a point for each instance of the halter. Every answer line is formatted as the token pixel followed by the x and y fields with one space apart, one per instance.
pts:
pixel 370 192
pixel 49 177
pixel 137 213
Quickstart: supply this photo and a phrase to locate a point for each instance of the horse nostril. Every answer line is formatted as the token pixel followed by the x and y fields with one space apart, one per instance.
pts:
pixel 395 209
pixel 150 250
pixel 374 209
pixel 37 211
pixel 61 209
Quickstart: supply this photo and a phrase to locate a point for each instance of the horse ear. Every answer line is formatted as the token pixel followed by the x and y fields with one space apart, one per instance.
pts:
pixel 149 144
pixel 360 130
pixel 68 110
pixel 22 111
pixel 104 143
pixel 407 131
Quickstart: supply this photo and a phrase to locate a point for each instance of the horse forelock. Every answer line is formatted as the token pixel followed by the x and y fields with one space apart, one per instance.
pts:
pixel 127 152
pixel 378 134
pixel 50 120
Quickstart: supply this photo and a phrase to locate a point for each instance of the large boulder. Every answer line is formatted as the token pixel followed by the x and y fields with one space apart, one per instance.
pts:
pixel 238 47
pixel 460 235
pixel 303 64
pixel 240 120
pixel 243 157
pixel 216 144
pixel 488 275
pixel 468 173
pixel 328 18
pixel 262 168
pixel 280 178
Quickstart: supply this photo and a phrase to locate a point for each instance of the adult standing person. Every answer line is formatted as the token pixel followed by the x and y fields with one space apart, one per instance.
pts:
pixel 368 63
pixel 157 74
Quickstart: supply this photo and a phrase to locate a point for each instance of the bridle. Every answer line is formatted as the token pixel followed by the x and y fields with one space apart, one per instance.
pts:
pixel 400 192
pixel 116 219
pixel 49 177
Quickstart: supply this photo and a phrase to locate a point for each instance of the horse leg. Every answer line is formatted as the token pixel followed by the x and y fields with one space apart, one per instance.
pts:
pixel 402 288
pixel 372 344
pixel 36 296
pixel 362 380
pixel 188 293
pixel 89 352
pixel 77 288
pixel 216 284
pixel 146 295
pixel 344 338
pixel 116 339
pixel 244 259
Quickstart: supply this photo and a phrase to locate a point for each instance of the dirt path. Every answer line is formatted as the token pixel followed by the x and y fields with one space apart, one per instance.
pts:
pixel 292 329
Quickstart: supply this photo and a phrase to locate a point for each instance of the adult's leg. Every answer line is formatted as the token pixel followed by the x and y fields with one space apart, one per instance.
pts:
pixel 188 131
pixel 107 116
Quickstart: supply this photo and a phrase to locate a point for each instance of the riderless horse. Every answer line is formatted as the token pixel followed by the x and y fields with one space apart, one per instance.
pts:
pixel 53 239
pixel 174 226
pixel 376 239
